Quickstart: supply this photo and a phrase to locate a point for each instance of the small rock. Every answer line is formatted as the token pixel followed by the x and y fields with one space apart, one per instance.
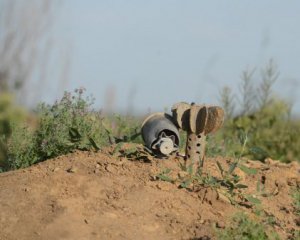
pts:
pixel 269 161
pixel 202 221
pixel 297 221
pixel 294 164
pixel 153 177
pixel 109 168
pixel 223 198
pixel 56 169
pixel 150 227
pixel 205 238
pixel 220 224
pixel 110 215
pixel 121 162
pixel 182 174
pixel 283 208
pixel 291 182
pixel 163 186
pixel 86 221
pixel 280 184
pixel 72 170
pixel 220 213
pixel 98 166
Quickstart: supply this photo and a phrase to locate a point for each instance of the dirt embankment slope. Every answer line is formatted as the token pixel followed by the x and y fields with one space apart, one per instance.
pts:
pixel 88 195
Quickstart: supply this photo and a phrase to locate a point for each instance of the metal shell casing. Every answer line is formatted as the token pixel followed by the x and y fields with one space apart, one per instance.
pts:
pixel 197 121
pixel 160 134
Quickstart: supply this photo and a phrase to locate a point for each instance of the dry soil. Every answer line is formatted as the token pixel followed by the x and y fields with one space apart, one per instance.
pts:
pixel 88 195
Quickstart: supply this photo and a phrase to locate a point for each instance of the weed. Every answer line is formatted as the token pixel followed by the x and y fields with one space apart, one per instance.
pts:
pixel 163 175
pixel 231 181
pixel 123 129
pixel 228 185
pixel 247 92
pixel 296 234
pixel 227 100
pixel 296 200
pixel 134 152
pixel 241 227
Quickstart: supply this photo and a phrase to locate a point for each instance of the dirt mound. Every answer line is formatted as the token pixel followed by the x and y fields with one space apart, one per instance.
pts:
pixel 88 195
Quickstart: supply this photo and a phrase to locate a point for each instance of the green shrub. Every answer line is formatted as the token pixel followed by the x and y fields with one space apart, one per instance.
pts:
pixel 22 147
pixel 63 127
pixel 68 125
pixel 266 120
pixel 9 113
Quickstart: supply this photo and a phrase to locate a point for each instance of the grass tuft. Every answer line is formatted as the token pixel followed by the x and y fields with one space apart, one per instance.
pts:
pixel 241 227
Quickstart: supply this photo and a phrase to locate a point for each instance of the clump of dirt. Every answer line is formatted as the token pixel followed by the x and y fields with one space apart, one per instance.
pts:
pixel 87 195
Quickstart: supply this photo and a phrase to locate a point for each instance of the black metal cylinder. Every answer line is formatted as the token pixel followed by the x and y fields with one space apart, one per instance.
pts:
pixel 156 128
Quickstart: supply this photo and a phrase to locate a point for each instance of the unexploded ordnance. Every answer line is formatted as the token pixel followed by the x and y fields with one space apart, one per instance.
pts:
pixel 160 133
pixel 197 121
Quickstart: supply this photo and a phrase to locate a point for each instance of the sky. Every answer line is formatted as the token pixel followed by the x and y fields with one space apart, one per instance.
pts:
pixel 141 55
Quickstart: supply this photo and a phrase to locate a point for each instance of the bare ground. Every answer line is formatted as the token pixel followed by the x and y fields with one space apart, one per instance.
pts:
pixel 87 195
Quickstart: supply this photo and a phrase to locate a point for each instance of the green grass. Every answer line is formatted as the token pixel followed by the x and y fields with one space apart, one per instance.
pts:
pixel 123 128
pixel 241 227
pixel 296 200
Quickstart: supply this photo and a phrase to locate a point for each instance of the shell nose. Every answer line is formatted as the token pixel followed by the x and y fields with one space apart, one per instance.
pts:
pixel 166 146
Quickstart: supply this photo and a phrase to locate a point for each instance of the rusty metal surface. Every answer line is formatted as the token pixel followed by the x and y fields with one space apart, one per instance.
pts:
pixel 198 118
pixel 181 112
pixel 197 121
pixel 195 150
pixel 215 119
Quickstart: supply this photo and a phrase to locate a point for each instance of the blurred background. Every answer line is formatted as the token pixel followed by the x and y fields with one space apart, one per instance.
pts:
pixel 137 55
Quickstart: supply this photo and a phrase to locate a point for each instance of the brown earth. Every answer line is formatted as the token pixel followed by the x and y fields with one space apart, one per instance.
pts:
pixel 87 195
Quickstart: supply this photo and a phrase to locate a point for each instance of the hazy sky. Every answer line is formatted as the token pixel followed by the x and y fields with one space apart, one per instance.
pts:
pixel 151 54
